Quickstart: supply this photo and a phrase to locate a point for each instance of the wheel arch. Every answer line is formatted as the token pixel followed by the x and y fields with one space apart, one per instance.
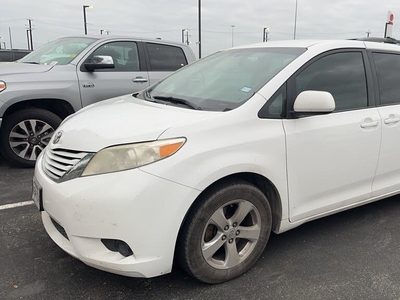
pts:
pixel 265 185
pixel 59 107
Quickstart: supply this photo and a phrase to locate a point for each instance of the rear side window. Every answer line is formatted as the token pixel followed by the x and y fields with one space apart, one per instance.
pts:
pixel 165 58
pixel 342 75
pixel 388 70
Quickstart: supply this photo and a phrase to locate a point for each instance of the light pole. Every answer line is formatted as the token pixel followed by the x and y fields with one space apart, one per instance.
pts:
pixel 233 26
pixel 27 38
pixel 265 34
pixel 199 29
pixel 183 34
pixel 84 17
pixel 295 22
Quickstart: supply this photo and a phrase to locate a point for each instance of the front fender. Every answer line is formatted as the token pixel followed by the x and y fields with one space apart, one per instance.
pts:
pixel 258 146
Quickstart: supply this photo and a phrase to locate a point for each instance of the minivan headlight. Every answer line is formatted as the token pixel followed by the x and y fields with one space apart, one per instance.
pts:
pixel 125 157
pixel 2 85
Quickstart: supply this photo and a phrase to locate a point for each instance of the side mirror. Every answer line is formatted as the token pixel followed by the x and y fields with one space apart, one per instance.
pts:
pixel 100 62
pixel 313 102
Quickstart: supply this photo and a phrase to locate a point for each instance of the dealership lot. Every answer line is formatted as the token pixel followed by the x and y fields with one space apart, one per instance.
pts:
pixel 352 255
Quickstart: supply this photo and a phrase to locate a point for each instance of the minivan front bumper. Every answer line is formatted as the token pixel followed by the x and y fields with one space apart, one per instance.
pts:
pixel 144 211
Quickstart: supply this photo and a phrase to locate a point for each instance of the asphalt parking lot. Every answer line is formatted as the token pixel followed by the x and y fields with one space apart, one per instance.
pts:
pixel 351 255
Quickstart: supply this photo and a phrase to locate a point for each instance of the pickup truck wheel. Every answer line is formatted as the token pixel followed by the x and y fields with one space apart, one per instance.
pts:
pixel 25 133
pixel 225 232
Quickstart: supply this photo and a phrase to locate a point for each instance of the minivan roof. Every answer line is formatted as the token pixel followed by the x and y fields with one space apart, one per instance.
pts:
pixel 333 43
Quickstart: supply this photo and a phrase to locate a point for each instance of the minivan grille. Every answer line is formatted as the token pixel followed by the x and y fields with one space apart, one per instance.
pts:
pixel 57 162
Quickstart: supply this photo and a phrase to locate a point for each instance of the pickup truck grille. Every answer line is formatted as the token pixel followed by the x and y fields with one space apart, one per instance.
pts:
pixel 57 162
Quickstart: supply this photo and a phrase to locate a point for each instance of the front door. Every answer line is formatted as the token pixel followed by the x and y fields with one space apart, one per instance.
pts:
pixel 127 77
pixel 332 158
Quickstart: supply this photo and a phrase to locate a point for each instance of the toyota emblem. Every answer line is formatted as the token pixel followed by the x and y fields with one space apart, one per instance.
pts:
pixel 57 137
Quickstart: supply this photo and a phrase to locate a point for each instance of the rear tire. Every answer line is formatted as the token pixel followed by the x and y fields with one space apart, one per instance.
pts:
pixel 25 133
pixel 225 232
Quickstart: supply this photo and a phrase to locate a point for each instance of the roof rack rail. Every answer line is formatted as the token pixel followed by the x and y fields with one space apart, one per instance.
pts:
pixel 387 40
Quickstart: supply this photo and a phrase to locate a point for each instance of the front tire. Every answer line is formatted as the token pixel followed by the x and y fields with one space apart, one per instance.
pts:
pixel 225 232
pixel 25 133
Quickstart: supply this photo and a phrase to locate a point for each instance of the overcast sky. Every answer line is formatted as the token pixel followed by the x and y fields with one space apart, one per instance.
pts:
pixel 165 19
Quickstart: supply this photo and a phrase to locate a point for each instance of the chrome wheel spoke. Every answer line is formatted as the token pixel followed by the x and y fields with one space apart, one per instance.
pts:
pixel 251 233
pixel 211 247
pixel 23 152
pixel 219 219
pixel 17 135
pixel 23 127
pixel 44 129
pixel 33 126
pixel 16 144
pixel 243 209
pixel 45 142
pixel 46 138
pixel 33 155
pixel 232 255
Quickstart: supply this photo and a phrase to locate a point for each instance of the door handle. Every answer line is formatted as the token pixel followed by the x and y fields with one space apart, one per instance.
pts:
pixel 139 79
pixel 369 124
pixel 392 120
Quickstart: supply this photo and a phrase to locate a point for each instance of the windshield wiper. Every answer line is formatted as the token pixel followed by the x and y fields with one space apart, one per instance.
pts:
pixel 177 101
pixel 31 62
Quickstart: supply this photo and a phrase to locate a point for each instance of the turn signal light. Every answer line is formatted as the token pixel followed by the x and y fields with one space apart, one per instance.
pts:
pixel 2 86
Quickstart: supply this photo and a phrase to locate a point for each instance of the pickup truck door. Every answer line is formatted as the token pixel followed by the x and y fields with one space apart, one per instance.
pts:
pixel 129 75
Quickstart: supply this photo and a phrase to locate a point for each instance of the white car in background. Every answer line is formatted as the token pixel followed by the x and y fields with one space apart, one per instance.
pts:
pixel 207 162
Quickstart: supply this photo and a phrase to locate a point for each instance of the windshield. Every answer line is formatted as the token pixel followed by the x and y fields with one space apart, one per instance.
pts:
pixel 227 79
pixel 60 52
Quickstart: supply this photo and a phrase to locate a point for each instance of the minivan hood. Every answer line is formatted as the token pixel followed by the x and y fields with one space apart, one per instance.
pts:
pixel 121 120
pixel 13 68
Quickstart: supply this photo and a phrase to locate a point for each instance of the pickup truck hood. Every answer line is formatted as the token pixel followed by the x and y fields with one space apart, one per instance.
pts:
pixel 121 120
pixel 14 68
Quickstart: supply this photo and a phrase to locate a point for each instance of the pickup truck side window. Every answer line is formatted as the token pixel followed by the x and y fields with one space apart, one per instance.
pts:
pixel 165 58
pixel 342 75
pixel 125 55
pixel 388 68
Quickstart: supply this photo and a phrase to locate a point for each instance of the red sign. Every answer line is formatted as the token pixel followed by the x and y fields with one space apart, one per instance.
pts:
pixel 390 19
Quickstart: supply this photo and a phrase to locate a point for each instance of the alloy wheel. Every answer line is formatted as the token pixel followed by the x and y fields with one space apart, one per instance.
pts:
pixel 29 137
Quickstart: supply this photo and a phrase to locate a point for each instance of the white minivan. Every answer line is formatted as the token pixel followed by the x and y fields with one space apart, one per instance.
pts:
pixel 203 165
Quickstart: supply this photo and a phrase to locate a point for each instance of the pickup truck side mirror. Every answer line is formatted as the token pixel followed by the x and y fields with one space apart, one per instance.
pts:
pixel 314 102
pixel 100 62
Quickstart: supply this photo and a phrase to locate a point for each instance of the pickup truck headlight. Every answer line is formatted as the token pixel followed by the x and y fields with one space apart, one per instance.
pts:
pixel 3 86
pixel 125 157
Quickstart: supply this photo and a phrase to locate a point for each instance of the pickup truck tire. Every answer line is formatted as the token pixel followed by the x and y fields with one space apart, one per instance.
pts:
pixel 25 133
pixel 225 232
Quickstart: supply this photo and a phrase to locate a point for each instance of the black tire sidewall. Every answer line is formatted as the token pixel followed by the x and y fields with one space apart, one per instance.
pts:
pixel 13 119
pixel 197 265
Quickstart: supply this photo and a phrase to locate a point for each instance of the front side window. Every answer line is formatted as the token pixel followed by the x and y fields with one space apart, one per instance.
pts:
pixel 58 52
pixel 388 70
pixel 165 58
pixel 227 79
pixel 342 75
pixel 124 54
